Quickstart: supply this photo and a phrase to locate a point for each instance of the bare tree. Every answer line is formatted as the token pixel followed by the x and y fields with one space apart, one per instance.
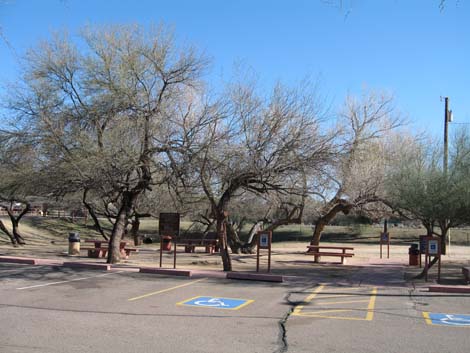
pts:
pixel 19 182
pixel 257 145
pixel 99 111
pixel 356 178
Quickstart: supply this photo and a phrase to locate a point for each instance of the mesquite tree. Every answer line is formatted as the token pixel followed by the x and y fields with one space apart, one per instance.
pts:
pixel 99 111
pixel 356 177
pixel 418 187
pixel 19 181
pixel 258 145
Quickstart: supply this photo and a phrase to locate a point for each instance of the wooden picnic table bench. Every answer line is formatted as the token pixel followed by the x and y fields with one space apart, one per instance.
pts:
pixel 209 242
pixel 100 249
pixel 317 251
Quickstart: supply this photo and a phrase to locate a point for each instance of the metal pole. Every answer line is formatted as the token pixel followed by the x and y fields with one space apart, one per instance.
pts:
pixel 161 250
pixel 446 133
pixel 446 153
pixel 174 254
pixel 269 252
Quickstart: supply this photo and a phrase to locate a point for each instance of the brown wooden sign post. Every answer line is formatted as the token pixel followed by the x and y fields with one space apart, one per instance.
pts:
pixel 433 248
pixel 264 242
pixel 169 225
pixel 385 239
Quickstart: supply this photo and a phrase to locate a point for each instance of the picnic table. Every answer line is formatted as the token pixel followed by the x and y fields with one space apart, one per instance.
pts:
pixel 209 242
pixel 100 248
pixel 318 251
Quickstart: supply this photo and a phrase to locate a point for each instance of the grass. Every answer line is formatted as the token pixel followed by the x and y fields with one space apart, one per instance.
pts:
pixel 45 230
pixel 363 234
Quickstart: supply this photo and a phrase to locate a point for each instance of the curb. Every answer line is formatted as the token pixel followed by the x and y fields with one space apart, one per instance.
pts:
pixel 18 260
pixel 254 277
pixel 449 289
pixel 88 266
pixel 166 271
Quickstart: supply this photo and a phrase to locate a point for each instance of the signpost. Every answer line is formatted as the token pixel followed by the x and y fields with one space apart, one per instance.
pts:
pixel 168 225
pixel 264 242
pixel 433 248
pixel 422 248
pixel 385 239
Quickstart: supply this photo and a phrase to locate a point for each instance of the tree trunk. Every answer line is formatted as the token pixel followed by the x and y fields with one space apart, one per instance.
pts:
pixel 444 234
pixel 323 221
pixel 423 272
pixel 319 226
pixel 16 234
pixel 93 215
pixel 236 245
pixel 135 225
pixel 114 251
pixel 223 244
pixel 5 230
pixel 15 222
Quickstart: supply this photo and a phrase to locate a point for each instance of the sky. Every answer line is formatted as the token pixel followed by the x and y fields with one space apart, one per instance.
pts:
pixel 412 49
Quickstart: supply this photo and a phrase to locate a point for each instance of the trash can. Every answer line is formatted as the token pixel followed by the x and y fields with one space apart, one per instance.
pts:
pixel 413 253
pixel 74 244
pixel 166 243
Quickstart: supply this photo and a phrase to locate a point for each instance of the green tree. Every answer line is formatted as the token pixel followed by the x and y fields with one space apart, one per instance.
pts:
pixel 419 188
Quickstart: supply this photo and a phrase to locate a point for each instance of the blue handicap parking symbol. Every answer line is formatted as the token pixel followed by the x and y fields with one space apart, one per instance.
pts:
pixel 217 302
pixel 449 319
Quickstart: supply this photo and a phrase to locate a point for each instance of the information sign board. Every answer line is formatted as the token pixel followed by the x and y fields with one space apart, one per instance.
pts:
pixel 384 237
pixel 169 224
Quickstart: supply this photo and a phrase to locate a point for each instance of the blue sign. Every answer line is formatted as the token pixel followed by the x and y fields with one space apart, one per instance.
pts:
pixel 217 302
pixel 448 319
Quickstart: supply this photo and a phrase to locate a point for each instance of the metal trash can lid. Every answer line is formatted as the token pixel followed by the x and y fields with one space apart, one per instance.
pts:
pixel 74 237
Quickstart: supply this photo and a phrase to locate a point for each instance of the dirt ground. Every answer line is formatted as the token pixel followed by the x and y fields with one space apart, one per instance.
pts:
pixel 288 258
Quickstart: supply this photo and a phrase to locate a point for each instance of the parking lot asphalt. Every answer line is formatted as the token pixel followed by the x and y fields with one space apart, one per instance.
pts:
pixel 60 309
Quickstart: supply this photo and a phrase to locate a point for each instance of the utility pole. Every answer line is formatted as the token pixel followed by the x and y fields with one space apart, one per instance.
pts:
pixel 447 120
pixel 447 114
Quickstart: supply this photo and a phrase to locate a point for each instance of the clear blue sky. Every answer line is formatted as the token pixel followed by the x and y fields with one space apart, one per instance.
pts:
pixel 407 47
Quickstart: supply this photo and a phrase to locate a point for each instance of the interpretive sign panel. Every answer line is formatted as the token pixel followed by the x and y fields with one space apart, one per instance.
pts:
pixel 169 224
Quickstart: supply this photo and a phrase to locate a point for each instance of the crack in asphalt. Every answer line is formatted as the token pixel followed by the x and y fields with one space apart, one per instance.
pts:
pixel 282 340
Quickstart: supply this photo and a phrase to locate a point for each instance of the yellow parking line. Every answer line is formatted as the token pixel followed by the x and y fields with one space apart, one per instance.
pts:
pixel 343 302
pixel 338 296
pixel 345 289
pixel 335 317
pixel 165 290
pixel 427 318
pixel 314 313
pixel 371 306
pixel 299 308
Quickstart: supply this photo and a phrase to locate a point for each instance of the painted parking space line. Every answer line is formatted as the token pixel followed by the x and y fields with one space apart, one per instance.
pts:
pixel 68 281
pixel 216 302
pixel 315 301
pixel 298 309
pixel 455 320
pixel 344 302
pixel 165 290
